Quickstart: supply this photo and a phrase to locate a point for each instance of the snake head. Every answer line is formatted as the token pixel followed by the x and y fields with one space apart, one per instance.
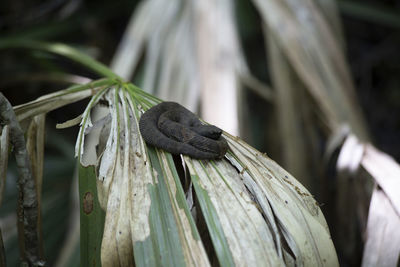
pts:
pixel 209 131
pixel 223 145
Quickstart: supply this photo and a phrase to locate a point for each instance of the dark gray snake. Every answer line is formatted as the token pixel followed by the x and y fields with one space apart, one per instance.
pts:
pixel 175 129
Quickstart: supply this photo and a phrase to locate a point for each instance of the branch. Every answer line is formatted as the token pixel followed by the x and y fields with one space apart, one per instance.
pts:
pixel 28 205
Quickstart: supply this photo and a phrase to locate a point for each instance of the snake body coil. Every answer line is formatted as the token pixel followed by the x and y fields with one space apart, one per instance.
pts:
pixel 172 127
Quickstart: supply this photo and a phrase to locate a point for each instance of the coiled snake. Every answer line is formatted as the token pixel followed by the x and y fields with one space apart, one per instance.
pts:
pixel 175 129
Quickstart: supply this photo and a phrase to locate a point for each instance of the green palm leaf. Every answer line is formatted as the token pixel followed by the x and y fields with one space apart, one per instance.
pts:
pixel 254 212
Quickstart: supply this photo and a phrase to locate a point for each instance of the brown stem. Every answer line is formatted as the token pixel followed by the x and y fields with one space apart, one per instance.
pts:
pixel 28 205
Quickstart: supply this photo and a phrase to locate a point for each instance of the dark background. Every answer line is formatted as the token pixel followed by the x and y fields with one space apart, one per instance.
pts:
pixel 372 39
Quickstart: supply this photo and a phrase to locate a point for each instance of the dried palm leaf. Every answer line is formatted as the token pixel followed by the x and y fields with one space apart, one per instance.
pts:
pixel 255 212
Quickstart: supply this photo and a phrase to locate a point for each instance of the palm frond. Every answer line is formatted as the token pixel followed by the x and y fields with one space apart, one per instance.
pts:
pixel 249 203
